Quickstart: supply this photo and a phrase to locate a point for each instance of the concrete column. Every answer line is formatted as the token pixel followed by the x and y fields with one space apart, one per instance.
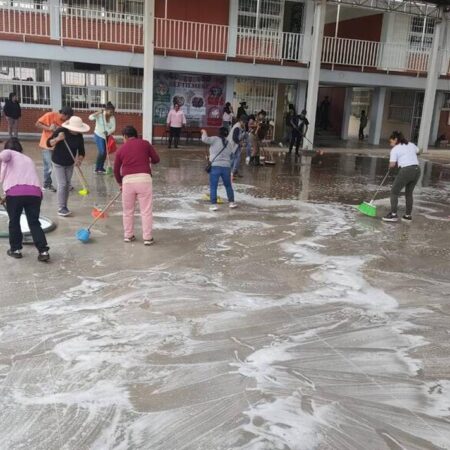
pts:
pixel 314 71
pixel 434 69
pixel 232 30
pixel 147 97
pixel 55 85
pixel 438 105
pixel 308 31
pixel 347 113
pixel 376 115
pixel 300 99
pixel 229 92
pixel 55 19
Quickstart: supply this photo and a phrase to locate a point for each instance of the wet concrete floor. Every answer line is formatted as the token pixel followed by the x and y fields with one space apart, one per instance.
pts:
pixel 292 322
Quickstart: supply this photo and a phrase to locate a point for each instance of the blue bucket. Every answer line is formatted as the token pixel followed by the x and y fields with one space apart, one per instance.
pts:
pixel 83 235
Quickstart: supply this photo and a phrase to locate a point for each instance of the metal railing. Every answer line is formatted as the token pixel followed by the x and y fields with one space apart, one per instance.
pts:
pixel 374 55
pixel 179 37
pixel 24 22
pixel 192 37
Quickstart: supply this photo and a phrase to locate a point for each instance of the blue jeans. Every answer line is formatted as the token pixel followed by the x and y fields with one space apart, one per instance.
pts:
pixel 101 157
pixel 236 159
pixel 216 173
pixel 47 160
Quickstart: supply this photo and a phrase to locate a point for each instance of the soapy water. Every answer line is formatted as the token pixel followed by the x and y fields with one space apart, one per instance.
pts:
pixel 184 358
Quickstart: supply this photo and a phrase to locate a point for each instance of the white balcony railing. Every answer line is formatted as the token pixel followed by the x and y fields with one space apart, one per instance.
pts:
pixel 374 55
pixel 97 28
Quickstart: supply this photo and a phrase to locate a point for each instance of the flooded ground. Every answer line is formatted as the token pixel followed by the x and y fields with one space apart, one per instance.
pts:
pixel 292 322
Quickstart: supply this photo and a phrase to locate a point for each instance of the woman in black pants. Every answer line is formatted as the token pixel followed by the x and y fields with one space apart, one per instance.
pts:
pixel 403 155
pixel 21 184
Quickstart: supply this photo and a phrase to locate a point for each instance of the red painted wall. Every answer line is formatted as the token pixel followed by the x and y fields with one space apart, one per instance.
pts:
pixel 366 28
pixel 204 11
pixel 336 95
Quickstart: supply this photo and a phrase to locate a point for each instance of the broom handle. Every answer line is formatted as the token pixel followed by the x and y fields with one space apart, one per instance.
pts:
pixel 105 209
pixel 381 185
pixel 77 168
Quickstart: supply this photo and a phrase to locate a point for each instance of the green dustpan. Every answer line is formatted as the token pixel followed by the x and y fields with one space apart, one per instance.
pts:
pixel 109 170
pixel 368 209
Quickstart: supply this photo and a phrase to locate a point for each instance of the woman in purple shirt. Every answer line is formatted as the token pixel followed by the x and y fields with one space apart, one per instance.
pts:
pixel 22 187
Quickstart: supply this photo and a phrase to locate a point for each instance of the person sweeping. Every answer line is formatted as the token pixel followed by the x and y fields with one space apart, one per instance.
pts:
pixel 403 155
pixel 22 187
pixel 105 126
pixel 220 152
pixel 133 172
pixel 68 150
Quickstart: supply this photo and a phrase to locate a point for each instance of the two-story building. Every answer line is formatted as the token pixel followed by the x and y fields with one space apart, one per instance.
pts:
pixel 390 59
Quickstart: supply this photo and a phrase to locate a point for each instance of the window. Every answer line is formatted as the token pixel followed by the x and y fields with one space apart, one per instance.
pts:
pixel 268 16
pixel 401 105
pixel 91 90
pixel 29 79
pixel 258 93
pixel 421 34
pixel 360 101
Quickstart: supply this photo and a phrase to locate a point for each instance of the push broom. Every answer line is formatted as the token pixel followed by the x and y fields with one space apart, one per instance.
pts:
pixel 85 189
pixel 84 234
pixel 368 208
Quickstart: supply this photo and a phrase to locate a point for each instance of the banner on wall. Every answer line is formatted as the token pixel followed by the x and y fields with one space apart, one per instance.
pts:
pixel 201 97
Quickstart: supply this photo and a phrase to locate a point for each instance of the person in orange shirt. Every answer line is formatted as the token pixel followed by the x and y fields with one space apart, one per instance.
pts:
pixel 48 123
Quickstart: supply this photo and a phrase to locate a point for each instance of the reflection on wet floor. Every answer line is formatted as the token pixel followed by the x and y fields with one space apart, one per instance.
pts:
pixel 331 177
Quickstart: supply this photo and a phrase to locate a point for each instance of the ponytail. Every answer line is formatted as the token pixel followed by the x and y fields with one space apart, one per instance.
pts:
pixel 399 137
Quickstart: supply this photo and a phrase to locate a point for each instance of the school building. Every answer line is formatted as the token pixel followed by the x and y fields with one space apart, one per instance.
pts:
pixel 387 57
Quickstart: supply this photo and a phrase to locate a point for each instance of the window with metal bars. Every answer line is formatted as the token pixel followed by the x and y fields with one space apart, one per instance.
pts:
pixel 260 14
pixel 401 104
pixel 421 33
pixel 91 90
pixel 30 80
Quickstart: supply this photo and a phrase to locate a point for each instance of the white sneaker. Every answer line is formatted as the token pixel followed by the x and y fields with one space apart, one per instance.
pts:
pixel 213 208
pixel 233 205
pixel 247 160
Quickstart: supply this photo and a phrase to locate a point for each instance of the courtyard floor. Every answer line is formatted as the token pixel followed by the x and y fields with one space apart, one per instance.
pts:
pixel 292 322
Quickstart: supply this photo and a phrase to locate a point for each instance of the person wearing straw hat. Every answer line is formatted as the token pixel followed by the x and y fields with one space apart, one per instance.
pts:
pixel 105 125
pixel 69 136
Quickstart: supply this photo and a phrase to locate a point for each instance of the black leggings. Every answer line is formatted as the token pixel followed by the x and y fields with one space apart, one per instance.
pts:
pixel 32 207
pixel 175 134
pixel 407 178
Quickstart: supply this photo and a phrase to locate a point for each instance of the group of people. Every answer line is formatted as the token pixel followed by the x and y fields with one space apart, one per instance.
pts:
pixel 63 151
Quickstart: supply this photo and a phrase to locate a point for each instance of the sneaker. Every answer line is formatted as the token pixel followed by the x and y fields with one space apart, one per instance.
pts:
pixel 50 188
pixel 64 212
pixel 213 208
pixel 391 217
pixel 247 160
pixel 233 205
pixel 129 239
pixel 100 171
pixel 43 256
pixel 17 254
pixel 280 144
pixel 149 242
pixel 407 218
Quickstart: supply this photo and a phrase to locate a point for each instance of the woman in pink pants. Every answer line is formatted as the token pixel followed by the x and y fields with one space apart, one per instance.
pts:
pixel 132 169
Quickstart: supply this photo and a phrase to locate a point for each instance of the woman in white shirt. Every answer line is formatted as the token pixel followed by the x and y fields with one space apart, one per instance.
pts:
pixel 403 155
pixel 105 125
pixel 227 118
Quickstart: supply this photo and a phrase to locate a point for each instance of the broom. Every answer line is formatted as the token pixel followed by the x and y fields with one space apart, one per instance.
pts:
pixel 368 208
